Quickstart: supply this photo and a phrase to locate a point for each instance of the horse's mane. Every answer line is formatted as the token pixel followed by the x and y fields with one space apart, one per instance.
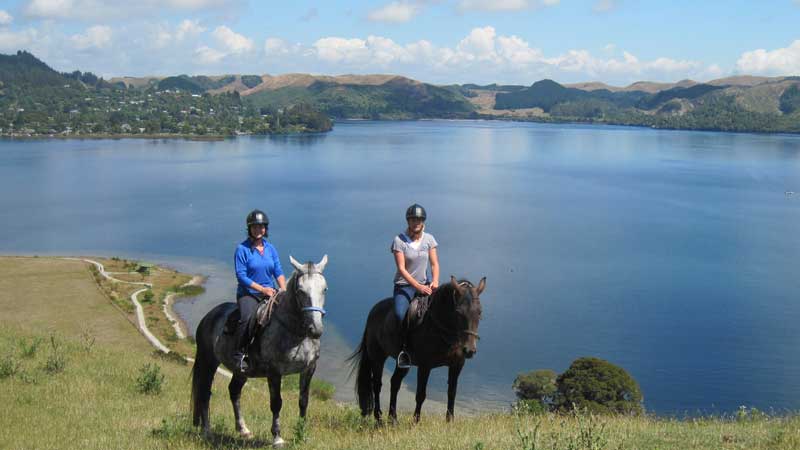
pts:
pixel 448 288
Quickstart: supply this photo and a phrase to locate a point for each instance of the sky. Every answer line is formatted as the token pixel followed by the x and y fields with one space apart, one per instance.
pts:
pixel 438 41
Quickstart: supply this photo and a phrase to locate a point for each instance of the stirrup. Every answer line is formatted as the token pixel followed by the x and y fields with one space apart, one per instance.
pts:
pixel 403 360
pixel 242 363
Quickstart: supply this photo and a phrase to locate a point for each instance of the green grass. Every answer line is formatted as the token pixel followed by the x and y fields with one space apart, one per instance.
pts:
pixel 96 402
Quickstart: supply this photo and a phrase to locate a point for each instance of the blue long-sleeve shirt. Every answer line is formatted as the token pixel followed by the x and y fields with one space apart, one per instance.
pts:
pixel 253 266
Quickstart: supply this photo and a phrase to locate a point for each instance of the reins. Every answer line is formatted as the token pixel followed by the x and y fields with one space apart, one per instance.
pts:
pixel 295 293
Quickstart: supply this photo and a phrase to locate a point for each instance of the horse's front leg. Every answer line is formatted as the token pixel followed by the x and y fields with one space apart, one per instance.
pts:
pixel 422 388
pixel 452 385
pixel 235 391
pixel 305 387
pixel 275 403
pixel 397 380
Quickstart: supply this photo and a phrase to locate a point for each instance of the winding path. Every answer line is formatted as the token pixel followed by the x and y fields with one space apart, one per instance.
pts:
pixel 140 311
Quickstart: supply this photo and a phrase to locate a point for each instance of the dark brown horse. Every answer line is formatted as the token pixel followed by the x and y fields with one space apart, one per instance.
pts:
pixel 447 335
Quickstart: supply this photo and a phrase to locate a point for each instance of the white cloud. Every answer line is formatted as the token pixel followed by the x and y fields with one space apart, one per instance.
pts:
pixel 96 37
pixel 5 18
pixel 275 46
pixel 781 61
pixel 340 50
pixel 207 55
pixel 396 12
pixel 11 41
pixel 234 42
pixel 188 28
pixel 504 5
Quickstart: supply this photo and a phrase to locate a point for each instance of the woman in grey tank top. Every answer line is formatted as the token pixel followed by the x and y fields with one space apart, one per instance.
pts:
pixel 414 250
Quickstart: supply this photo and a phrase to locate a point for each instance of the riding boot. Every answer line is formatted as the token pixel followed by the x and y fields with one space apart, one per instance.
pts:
pixel 242 342
pixel 403 358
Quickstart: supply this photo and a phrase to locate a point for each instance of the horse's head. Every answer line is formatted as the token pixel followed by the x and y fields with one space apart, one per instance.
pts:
pixel 308 287
pixel 467 302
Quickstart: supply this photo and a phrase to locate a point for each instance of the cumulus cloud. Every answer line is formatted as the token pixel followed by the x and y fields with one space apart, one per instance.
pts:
pixel 5 18
pixel 504 5
pixel 781 61
pixel 207 55
pixel 188 29
pixel 275 46
pixel 11 41
pixel 396 12
pixel 232 41
pixel 96 37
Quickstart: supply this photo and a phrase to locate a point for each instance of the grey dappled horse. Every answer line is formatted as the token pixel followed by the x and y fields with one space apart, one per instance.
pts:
pixel 290 344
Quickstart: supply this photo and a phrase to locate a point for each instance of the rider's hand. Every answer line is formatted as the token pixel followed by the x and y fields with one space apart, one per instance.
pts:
pixel 425 289
pixel 268 291
pixel 434 286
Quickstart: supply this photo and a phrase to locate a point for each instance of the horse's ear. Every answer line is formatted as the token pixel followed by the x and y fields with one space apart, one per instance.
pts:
pixel 456 286
pixel 321 265
pixel 481 285
pixel 295 264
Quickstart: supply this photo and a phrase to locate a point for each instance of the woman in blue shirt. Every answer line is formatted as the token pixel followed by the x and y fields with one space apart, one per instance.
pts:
pixel 258 268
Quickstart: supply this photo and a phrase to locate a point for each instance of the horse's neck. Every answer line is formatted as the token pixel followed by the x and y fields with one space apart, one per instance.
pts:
pixel 441 307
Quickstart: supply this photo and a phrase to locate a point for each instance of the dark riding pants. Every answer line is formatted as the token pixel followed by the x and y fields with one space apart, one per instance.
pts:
pixel 248 305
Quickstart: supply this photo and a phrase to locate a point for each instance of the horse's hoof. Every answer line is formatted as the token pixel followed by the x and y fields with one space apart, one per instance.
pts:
pixel 207 433
pixel 246 434
pixel 278 442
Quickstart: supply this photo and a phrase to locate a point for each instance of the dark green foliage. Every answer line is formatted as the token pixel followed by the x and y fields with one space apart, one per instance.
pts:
pixel 693 92
pixel 150 380
pixel 543 94
pixel 398 98
pixel 194 85
pixel 790 100
pixel 24 69
pixel 251 81
pixel 539 385
pixel 598 386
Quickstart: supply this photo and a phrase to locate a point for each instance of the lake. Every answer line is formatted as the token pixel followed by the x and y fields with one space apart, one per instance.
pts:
pixel 672 254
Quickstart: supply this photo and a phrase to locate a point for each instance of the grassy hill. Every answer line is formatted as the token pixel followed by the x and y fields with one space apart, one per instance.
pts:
pixel 71 377
pixel 397 98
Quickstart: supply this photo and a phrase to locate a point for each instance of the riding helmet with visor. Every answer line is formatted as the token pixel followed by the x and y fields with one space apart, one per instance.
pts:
pixel 257 217
pixel 416 211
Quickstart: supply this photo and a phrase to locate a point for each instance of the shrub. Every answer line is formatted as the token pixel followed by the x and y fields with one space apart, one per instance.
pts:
pixel 28 348
pixel 56 361
pixel 8 367
pixel 147 297
pixel 322 390
pixel 597 386
pixel 150 379
pixel 537 385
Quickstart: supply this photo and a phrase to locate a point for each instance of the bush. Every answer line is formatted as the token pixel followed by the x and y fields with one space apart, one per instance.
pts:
pixel 150 379
pixel 597 386
pixel 28 348
pixel 147 297
pixel 8 367
pixel 56 361
pixel 538 385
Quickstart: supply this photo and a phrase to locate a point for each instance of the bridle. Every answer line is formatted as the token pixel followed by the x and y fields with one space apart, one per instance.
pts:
pixel 449 331
pixel 311 270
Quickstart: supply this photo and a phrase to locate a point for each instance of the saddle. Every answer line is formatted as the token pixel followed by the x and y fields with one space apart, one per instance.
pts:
pixel 260 320
pixel 417 309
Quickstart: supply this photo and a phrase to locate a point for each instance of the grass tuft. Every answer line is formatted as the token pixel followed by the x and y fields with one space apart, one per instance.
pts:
pixel 150 380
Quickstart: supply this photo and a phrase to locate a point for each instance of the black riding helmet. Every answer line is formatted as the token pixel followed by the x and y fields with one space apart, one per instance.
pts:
pixel 416 211
pixel 257 217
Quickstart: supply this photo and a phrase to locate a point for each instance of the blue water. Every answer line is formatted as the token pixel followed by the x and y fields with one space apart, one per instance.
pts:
pixel 672 254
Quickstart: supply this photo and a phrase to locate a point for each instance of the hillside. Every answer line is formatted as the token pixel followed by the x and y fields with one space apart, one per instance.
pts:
pixel 741 103
pixel 36 100
pixel 81 358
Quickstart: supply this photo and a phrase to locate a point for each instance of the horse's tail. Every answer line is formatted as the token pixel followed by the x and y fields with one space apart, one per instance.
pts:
pixel 205 366
pixel 361 363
